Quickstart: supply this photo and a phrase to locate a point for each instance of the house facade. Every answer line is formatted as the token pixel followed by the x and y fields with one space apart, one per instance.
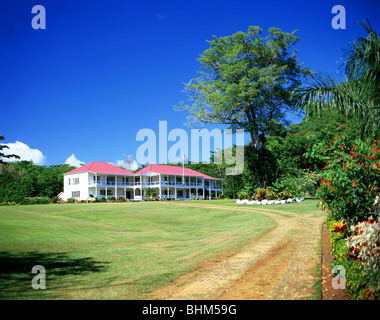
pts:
pixel 102 179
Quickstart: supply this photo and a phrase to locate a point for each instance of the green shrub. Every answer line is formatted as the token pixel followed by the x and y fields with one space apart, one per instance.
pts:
pixel 70 200
pixel 261 194
pixel 247 192
pixel 36 200
pixel 284 194
pixel 300 182
pixel 55 199
pixel 270 194
pixel 7 203
pixel 102 199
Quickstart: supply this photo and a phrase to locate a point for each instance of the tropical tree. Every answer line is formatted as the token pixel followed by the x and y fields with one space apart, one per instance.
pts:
pixel 358 95
pixel 2 155
pixel 151 192
pixel 246 81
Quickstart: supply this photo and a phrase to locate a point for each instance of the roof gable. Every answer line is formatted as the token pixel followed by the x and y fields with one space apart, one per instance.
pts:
pixel 174 170
pixel 101 167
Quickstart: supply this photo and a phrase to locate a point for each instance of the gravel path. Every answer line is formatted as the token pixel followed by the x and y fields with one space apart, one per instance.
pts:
pixel 296 282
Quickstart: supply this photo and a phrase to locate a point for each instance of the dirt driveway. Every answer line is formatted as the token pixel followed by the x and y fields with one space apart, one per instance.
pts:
pixel 283 264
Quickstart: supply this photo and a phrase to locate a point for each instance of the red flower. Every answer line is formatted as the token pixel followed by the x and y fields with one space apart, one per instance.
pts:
pixel 341 147
pixel 305 144
pixel 368 293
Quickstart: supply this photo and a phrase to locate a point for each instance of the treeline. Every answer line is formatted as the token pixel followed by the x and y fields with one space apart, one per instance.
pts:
pixel 22 179
pixel 281 164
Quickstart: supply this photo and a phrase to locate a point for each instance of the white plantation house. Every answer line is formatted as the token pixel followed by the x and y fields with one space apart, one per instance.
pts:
pixel 102 179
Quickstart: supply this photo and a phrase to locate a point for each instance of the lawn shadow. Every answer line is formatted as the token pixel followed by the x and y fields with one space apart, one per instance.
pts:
pixel 16 269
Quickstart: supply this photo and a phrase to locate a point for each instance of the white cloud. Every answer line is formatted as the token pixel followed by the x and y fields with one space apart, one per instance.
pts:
pixel 128 163
pixel 73 161
pixel 24 152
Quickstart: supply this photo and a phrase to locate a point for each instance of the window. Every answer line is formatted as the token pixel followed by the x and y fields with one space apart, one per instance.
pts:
pixel 102 192
pixel 75 181
pixel 75 194
pixel 69 181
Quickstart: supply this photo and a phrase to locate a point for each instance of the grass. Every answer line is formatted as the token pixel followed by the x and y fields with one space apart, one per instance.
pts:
pixel 115 251
pixel 300 208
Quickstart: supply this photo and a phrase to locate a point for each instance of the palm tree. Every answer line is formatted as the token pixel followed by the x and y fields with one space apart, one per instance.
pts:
pixel 151 192
pixel 358 96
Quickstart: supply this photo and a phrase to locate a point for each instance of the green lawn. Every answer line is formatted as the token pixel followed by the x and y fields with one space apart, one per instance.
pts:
pixel 115 251
pixel 301 208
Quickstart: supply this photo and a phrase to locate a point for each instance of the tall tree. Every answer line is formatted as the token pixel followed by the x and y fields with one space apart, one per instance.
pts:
pixel 246 81
pixel 358 94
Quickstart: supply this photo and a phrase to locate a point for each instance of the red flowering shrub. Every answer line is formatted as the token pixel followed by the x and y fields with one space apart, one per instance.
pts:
pixel 349 182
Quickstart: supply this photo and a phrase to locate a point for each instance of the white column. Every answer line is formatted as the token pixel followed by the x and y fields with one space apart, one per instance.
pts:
pixel 96 185
pixel 203 188
pixel 106 185
pixel 160 185
pixel 116 187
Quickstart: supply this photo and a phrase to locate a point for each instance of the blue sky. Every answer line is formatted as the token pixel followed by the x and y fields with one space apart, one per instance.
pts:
pixel 103 70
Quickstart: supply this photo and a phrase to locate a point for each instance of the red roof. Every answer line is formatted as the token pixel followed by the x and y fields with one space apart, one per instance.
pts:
pixel 174 170
pixel 106 168
pixel 101 167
